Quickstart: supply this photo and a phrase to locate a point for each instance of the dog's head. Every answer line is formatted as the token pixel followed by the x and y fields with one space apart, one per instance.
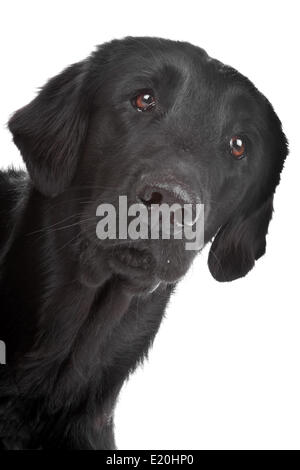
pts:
pixel 159 122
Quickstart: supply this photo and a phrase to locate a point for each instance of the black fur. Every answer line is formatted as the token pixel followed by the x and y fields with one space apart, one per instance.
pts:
pixel 79 314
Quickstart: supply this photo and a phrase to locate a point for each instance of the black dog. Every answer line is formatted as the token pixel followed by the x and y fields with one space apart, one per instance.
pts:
pixel 157 121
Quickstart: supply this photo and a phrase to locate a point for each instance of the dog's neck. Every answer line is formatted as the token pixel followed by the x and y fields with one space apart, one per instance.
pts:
pixel 67 339
pixel 45 287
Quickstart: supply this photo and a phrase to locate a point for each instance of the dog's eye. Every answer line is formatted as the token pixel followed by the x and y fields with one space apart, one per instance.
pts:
pixel 144 101
pixel 237 147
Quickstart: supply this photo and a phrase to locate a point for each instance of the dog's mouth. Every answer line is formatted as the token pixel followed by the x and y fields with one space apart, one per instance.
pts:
pixel 134 258
pixel 149 264
pixel 140 266
pixel 136 267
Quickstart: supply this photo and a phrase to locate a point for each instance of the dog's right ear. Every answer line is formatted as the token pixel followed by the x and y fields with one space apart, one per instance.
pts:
pixel 50 131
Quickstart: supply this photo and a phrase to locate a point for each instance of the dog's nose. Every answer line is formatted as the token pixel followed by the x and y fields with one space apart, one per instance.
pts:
pixel 166 189
pixel 164 192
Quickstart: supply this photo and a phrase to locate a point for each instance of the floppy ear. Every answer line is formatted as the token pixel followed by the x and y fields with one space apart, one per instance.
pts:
pixel 242 240
pixel 50 130
pixel 239 243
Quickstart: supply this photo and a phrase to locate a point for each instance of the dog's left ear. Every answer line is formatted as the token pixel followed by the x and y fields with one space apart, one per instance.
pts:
pixel 50 131
pixel 239 243
pixel 242 240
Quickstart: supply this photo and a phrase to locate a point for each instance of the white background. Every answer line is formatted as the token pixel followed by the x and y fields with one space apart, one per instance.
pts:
pixel 224 369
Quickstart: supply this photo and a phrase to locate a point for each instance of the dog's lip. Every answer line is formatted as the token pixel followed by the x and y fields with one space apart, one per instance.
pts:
pixel 133 257
pixel 132 261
